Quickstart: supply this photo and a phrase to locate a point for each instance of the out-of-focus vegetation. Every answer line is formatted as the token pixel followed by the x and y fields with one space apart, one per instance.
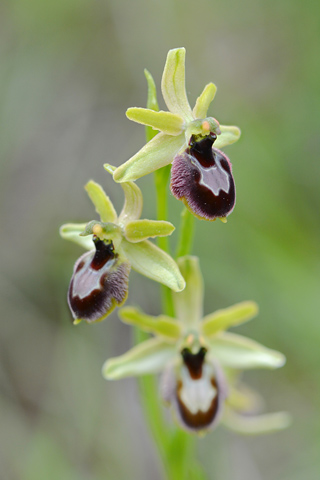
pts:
pixel 69 69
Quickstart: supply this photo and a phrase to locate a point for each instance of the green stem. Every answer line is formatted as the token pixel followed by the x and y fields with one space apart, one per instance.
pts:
pixel 185 241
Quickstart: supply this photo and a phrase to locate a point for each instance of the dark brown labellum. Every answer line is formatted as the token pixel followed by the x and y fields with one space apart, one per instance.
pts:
pixel 99 283
pixel 202 177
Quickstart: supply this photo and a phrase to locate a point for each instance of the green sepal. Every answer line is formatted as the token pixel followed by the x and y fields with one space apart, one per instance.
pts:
pixel 242 353
pixel 101 201
pixel 157 153
pixel 149 260
pixel 162 325
pixel 138 230
pixel 133 203
pixel 229 134
pixel 243 399
pixel 166 122
pixel 257 424
pixel 173 84
pixel 150 356
pixel 71 231
pixel 204 100
pixel 188 303
pixel 228 317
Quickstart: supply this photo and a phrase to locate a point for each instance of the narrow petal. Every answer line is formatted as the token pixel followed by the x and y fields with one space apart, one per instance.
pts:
pixel 138 230
pixel 228 317
pixel 101 201
pixel 173 84
pixel 239 352
pixel 148 357
pixel 188 303
pixel 99 283
pixel 256 425
pixel 149 260
pixel 133 203
pixel 229 135
pixel 71 231
pixel 166 122
pixel 201 177
pixel 157 153
pixel 162 325
pixel 204 100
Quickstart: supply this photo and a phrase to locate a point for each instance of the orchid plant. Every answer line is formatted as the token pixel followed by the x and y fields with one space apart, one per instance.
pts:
pixel 199 361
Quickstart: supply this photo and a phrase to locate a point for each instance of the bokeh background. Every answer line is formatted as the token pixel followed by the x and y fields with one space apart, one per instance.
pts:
pixel 69 69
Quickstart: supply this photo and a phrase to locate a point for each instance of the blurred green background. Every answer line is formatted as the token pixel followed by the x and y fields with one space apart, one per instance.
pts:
pixel 68 71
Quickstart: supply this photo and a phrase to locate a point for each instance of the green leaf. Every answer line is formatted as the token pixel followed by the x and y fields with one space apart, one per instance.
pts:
pixel 157 153
pixel 228 317
pixel 149 260
pixel 138 230
pixel 150 356
pixel 239 352
pixel 161 325
pixel 71 231
pixel 229 135
pixel 133 203
pixel 256 425
pixel 166 122
pixel 173 84
pixel 204 100
pixel 101 201
pixel 188 303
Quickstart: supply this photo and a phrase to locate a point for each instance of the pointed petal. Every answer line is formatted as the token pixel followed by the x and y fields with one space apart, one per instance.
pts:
pixel 71 231
pixel 228 317
pixel 256 425
pixel 99 283
pixel 166 122
pixel 133 203
pixel 162 325
pixel 173 84
pixel 138 230
pixel 188 303
pixel 229 135
pixel 101 201
pixel 152 101
pixel 239 352
pixel 157 153
pixel 150 356
pixel 204 100
pixel 149 260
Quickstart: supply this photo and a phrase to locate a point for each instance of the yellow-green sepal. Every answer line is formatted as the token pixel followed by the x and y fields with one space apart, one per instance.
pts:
pixel 148 357
pixel 157 153
pixel 256 424
pixel 173 84
pixel 72 231
pixel 149 260
pixel 204 100
pixel 101 201
pixel 228 317
pixel 241 353
pixel 162 325
pixel 166 122
pixel 188 303
pixel 138 230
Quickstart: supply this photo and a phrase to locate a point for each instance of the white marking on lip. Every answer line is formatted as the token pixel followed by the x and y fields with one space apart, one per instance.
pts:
pixel 87 279
pixel 214 178
pixel 197 395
